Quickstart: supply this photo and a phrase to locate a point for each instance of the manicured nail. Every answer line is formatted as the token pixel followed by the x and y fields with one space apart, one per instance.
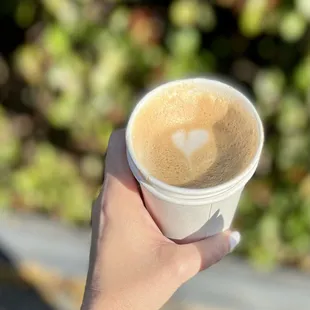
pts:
pixel 234 239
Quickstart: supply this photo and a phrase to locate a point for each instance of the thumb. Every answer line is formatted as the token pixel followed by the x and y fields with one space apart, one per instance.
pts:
pixel 203 254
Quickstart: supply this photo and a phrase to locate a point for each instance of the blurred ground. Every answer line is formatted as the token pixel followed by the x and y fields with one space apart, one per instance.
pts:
pixel 43 266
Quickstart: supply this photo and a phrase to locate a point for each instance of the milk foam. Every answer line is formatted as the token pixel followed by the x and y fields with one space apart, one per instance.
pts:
pixel 190 142
pixel 189 137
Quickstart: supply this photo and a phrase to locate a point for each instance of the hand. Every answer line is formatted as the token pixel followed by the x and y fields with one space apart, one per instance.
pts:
pixel 132 265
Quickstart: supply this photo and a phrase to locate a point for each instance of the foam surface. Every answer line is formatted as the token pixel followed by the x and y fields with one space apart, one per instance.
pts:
pixel 189 137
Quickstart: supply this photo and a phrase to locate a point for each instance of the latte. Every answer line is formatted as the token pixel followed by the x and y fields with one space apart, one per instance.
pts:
pixel 191 137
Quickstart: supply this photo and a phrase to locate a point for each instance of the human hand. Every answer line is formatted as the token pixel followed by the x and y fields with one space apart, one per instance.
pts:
pixel 132 265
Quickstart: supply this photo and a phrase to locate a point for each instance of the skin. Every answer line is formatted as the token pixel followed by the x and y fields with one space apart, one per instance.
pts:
pixel 132 265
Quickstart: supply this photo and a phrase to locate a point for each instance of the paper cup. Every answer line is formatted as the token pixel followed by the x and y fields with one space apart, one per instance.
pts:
pixel 186 214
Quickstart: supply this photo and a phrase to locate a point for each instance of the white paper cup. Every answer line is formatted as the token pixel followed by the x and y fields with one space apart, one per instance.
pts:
pixel 186 214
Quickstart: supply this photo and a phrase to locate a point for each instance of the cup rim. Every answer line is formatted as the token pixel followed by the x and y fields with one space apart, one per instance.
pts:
pixel 194 191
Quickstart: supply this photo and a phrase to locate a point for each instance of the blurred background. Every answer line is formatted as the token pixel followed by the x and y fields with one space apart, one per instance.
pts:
pixel 72 70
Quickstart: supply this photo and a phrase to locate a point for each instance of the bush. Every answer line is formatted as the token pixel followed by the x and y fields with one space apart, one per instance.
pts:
pixel 85 63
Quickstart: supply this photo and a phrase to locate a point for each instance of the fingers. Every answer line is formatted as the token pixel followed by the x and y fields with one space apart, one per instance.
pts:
pixel 120 187
pixel 213 249
pixel 118 191
pixel 116 164
pixel 202 254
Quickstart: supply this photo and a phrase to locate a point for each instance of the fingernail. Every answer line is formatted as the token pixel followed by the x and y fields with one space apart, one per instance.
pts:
pixel 234 239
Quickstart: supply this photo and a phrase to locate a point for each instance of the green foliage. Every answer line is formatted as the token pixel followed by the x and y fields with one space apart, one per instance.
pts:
pixel 292 26
pixel 85 63
pixel 252 16
pixel 10 144
pixel 51 181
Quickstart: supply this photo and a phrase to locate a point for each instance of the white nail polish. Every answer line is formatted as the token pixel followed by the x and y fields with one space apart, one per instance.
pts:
pixel 234 239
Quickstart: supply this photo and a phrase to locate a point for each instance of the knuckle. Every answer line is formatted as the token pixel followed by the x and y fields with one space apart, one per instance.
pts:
pixel 175 265
pixel 180 268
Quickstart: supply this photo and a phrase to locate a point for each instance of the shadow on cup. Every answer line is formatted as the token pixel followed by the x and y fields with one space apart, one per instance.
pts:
pixel 215 223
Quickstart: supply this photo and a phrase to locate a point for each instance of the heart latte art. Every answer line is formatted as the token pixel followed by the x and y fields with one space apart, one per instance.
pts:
pixel 189 137
pixel 189 142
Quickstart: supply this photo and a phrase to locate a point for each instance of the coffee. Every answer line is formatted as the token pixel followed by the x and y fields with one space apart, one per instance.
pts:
pixel 191 137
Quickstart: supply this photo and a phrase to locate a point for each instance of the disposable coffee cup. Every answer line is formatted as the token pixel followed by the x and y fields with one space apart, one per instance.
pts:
pixel 189 214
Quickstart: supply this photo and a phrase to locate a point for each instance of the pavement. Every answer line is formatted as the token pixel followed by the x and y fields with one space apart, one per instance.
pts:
pixel 43 266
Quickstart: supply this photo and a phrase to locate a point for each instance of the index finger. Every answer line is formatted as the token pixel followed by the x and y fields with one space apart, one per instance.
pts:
pixel 119 184
pixel 116 164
